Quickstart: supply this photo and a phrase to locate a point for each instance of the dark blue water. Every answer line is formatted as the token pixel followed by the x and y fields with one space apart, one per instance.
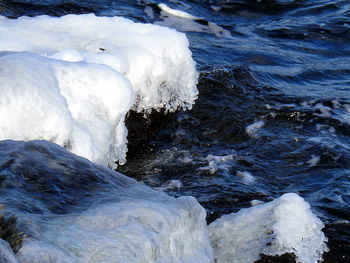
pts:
pixel 283 64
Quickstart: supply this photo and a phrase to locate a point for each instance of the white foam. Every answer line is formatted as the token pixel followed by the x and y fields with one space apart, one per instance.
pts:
pixel 172 184
pixel 72 79
pixel 247 177
pixel 314 160
pixel 285 225
pixel 218 163
pixel 254 128
pixel 186 157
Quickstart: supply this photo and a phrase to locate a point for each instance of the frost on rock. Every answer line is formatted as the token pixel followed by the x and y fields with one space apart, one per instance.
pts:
pixel 285 225
pixel 72 79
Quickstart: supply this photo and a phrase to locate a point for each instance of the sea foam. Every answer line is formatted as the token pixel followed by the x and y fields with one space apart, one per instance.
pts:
pixel 71 80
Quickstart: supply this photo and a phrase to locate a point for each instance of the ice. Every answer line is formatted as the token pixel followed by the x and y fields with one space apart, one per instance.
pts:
pixel 175 12
pixel 285 225
pixel 78 105
pixel 72 79
pixel 6 253
pixel 155 59
pixel 184 21
pixel 128 231
pixel 74 211
pixel 107 216
pixel 256 202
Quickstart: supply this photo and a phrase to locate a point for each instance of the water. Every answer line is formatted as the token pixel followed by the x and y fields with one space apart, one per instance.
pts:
pixel 280 68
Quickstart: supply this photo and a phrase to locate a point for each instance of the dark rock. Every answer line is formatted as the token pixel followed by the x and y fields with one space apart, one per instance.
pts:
pixel 285 258
pixel 142 127
pixel 9 231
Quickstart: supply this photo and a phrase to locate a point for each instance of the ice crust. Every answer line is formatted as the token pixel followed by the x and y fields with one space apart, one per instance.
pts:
pixel 78 105
pixel 72 79
pixel 113 218
pixel 6 253
pixel 167 231
pixel 285 225
pixel 74 211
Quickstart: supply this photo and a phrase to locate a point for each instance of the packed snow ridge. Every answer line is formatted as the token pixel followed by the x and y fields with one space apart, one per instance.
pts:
pixel 71 80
